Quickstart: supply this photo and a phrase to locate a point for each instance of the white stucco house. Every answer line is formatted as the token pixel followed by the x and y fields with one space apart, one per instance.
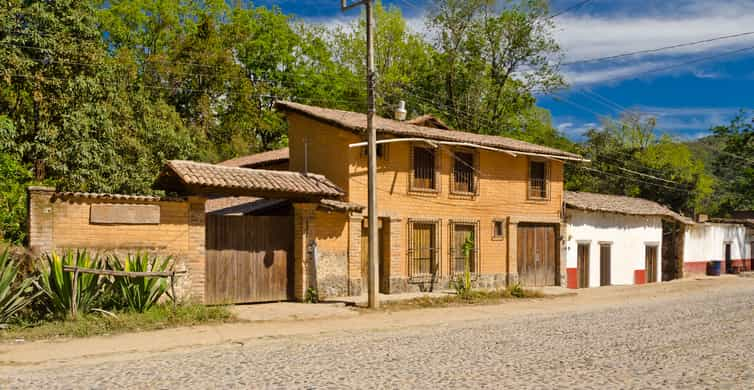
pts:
pixel 614 240
pixel 728 241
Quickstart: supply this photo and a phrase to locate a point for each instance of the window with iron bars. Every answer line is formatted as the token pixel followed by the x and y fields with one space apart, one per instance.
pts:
pixel 538 180
pixel 424 169
pixel 464 178
pixel 423 250
pixel 460 232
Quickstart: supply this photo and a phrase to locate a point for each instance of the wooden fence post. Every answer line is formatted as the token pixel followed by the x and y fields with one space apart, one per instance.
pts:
pixel 74 293
pixel 172 289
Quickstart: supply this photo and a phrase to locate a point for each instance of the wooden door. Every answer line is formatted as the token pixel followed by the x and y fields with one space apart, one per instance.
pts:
pixel 537 255
pixel 249 259
pixel 383 256
pixel 461 232
pixel 651 264
pixel 605 271
pixel 582 265
pixel 728 258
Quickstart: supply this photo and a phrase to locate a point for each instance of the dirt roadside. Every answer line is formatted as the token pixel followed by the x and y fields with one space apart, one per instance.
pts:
pixel 42 354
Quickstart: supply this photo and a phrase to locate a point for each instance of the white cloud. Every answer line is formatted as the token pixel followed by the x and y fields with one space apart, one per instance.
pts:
pixel 612 74
pixel 585 37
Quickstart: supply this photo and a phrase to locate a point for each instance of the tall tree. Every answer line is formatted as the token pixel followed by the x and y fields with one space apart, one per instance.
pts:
pixel 733 164
pixel 627 158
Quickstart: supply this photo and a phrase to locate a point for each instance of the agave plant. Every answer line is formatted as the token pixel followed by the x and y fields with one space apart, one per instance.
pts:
pixel 140 293
pixel 14 296
pixel 57 284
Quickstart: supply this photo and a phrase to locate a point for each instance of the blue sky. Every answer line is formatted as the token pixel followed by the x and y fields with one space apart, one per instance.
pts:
pixel 687 99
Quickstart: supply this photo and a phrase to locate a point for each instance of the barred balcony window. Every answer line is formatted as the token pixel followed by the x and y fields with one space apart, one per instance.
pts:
pixel 424 175
pixel 538 180
pixel 464 179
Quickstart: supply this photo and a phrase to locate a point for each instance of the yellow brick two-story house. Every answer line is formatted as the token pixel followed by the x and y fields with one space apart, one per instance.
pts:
pixel 436 188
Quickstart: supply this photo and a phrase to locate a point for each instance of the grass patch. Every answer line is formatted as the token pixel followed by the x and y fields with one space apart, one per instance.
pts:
pixel 474 297
pixel 96 324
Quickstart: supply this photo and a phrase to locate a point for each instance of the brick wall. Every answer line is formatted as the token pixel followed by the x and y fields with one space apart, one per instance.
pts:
pixel 58 222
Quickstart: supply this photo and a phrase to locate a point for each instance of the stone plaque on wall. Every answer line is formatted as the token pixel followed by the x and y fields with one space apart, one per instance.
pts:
pixel 124 214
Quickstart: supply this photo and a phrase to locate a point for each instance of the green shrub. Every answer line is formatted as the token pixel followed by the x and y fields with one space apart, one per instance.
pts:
pixel 140 293
pixel 57 284
pixel 312 295
pixel 14 295
pixel 515 290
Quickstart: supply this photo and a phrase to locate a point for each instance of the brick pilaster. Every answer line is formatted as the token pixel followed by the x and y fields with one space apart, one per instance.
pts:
pixel 512 266
pixel 40 219
pixel 354 253
pixel 196 257
pixel 396 256
pixel 303 269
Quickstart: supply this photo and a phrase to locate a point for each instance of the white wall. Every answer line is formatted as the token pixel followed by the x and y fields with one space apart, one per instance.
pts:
pixel 706 242
pixel 629 234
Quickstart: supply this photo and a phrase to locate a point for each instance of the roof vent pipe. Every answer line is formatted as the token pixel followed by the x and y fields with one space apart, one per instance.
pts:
pixel 400 112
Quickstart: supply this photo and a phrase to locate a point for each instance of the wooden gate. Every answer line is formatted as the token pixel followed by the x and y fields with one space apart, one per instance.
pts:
pixel 537 255
pixel 249 259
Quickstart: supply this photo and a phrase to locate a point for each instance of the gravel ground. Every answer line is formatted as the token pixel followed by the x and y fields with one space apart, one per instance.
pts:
pixel 703 340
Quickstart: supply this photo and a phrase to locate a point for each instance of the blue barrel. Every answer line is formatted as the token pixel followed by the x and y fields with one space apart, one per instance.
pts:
pixel 713 268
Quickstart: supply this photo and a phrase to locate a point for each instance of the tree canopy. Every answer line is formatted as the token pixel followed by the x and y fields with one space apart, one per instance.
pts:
pixel 96 95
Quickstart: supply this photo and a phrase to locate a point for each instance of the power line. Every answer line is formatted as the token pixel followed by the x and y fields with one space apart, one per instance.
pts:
pixel 571 8
pixel 659 49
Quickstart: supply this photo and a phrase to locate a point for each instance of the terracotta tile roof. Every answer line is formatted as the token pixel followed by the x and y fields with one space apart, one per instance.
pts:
pixel 332 204
pixel 115 197
pixel 250 161
pixel 356 122
pixel 428 121
pixel 621 205
pixel 250 182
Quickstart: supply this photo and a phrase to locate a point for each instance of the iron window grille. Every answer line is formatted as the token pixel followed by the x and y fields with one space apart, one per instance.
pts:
pixel 424 250
pixel 424 169
pixel 464 177
pixel 458 233
pixel 538 186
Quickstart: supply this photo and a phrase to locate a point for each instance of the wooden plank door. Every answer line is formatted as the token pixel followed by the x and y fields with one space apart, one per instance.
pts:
pixel 249 259
pixel 383 256
pixel 537 255
pixel 605 260
pixel 651 264
pixel 728 258
pixel 582 266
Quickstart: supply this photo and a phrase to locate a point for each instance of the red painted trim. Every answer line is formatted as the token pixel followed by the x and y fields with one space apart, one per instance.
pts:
pixel 573 278
pixel 695 267
pixel 640 276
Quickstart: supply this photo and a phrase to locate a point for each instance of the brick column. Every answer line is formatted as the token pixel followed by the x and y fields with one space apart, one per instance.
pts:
pixel 196 257
pixel 563 273
pixel 303 270
pixel 40 219
pixel 354 253
pixel 512 264
pixel 396 255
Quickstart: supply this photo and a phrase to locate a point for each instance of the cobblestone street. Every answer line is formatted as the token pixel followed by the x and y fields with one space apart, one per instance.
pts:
pixel 703 339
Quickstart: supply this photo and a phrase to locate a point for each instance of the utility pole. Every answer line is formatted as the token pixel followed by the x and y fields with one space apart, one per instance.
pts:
pixel 373 286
